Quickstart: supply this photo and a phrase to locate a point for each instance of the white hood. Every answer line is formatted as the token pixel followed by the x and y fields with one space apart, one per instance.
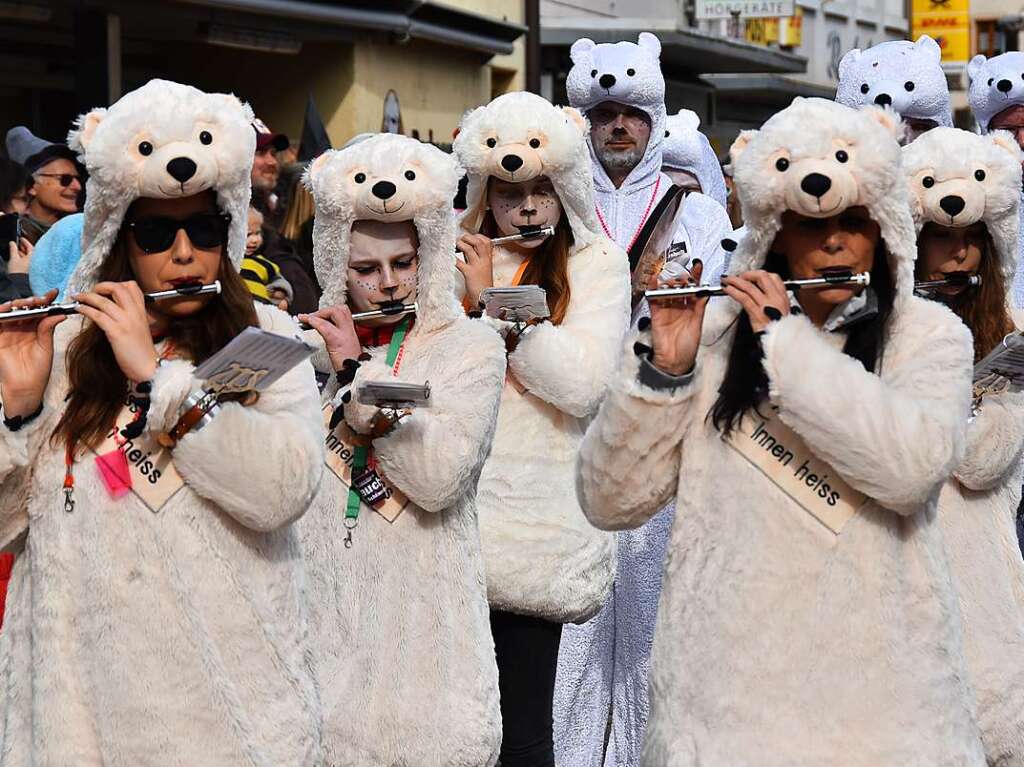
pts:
pixel 686 148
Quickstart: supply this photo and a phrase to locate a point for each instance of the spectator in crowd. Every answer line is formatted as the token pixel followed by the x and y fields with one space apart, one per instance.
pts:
pixel 56 255
pixel 54 182
pixel 297 226
pixel 13 180
pixel 261 275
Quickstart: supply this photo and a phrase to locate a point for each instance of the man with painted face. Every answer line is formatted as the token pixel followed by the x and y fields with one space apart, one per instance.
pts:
pixel 603 663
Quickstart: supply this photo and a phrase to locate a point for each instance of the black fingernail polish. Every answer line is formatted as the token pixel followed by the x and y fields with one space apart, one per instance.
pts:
pixel 644 323
pixel 772 313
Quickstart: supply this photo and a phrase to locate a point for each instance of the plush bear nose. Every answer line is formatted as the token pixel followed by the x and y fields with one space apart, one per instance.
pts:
pixel 952 204
pixel 607 81
pixel 181 169
pixel 883 99
pixel 1004 86
pixel 511 162
pixel 816 184
pixel 384 190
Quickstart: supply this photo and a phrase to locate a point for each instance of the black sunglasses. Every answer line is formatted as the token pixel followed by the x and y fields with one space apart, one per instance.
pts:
pixel 64 179
pixel 205 230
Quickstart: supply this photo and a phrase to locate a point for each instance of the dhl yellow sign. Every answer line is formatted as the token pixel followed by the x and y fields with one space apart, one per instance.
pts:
pixel 949 22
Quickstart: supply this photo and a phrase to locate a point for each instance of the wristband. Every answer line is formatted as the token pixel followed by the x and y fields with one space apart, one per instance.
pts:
pixel 198 410
pixel 14 423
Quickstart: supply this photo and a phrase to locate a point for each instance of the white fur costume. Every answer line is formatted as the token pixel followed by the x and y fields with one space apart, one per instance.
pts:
pixel 543 558
pixel 780 644
pixel 402 641
pixel 686 148
pixel 181 633
pixel 602 665
pixel 904 75
pixel 978 505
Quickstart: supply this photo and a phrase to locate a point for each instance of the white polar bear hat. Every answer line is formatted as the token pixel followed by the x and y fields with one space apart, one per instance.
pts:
pixel 626 73
pixel 900 74
pixel 995 84
pixel 818 158
pixel 686 148
pixel 163 140
pixel 956 178
pixel 520 136
pixel 388 177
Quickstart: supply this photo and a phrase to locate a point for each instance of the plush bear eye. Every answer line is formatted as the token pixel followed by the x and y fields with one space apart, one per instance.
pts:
pixel 492 143
pixel 842 156
pixel 145 148
pixel 535 143
pixel 992 80
pixel 410 175
pixel 781 164
pixel 359 178
pixel 980 175
pixel 865 88
pixel 206 138
pixel 593 73
pixel 908 86
pixel 927 182
pixel 667 134
pixel 630 71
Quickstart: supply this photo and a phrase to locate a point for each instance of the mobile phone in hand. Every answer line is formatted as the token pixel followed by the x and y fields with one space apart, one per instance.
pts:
pixel 10 231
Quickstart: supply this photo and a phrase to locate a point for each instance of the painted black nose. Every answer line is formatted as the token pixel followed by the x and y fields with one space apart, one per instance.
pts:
pixel 384 190
pixel 1004 86
pixel 511 162
pixel 952 204
pixel 815 184
pixel 606 81
pixel 181 169
pixel 883 99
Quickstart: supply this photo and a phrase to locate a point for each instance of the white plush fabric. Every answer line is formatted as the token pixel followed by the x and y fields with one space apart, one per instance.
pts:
pixel 909 74
pixel 180 633
pixel 686 148
pixel 779 644
pixel 542 556
pixel 978 505
pixel 171 118
pixel 403 650
pixel 995 84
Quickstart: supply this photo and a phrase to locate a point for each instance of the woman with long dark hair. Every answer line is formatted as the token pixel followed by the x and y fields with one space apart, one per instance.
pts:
pixel 528 165
pixel 807 615
pixel 965 194
pixel 156 608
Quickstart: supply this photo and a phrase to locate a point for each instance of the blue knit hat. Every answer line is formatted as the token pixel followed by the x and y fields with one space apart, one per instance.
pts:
pixel 56 255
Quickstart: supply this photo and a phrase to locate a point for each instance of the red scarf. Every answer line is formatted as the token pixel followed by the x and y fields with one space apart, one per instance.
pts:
pixel 378 336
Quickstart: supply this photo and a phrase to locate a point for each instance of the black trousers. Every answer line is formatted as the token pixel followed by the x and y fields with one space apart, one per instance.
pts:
pixel 527 653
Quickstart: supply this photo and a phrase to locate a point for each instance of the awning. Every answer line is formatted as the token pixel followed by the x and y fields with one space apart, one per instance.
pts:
pixel 685 51
pixel 766 89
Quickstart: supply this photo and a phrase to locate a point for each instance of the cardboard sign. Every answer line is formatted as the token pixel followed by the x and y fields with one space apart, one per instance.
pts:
pixel 782 456
pixel 154 478
pixel 340 445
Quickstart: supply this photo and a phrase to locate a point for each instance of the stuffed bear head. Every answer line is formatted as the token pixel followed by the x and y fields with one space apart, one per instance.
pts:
pixel 818 158
pixel 520 136
pixel 900 74
pixel 387 177
pixel 995 85
pixel 626 73
pixel 686 148
pixel 163 140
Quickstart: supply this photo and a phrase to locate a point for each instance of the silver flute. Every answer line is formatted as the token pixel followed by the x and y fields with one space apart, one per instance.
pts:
pixel 392 310
pixel 54 310
pixel 959 279
pixel 841 279
pixel 528 233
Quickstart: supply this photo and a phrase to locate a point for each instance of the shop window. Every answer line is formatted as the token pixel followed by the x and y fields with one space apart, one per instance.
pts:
pixel 988 40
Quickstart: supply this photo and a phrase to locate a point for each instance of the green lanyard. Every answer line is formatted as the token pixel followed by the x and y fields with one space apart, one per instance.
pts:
pixel 361 453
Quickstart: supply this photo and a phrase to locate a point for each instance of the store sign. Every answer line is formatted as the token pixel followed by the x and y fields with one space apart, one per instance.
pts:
pixel 744 9
pixel 949 22
pixel 785 31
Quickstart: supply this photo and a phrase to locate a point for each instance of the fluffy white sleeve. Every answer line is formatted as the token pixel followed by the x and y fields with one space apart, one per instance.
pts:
pixel 628 465
pixel 995 440
pixel 569 365
pixel 434 456
pixel 261 464
pixel 705 224
pixel 896 436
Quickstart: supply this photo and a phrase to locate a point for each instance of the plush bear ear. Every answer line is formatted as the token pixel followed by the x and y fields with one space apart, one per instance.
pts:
pixel 577 119
pixel 848 62
pixel 688 119
pixel 85 128
pixel 316 168
pixel 739 146
pixel 580 49
pixel 1005 141
pixel 974 67
pixel 929 46
pixel 650 43
pixel 887 118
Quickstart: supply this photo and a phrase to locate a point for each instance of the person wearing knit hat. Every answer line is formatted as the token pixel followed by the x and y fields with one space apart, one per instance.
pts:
pixel 157 607
pixel 964 195
pixel 54 184
pixel 602 674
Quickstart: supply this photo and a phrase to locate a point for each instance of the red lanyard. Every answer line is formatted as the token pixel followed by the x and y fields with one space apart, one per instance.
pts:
pixel 643 220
